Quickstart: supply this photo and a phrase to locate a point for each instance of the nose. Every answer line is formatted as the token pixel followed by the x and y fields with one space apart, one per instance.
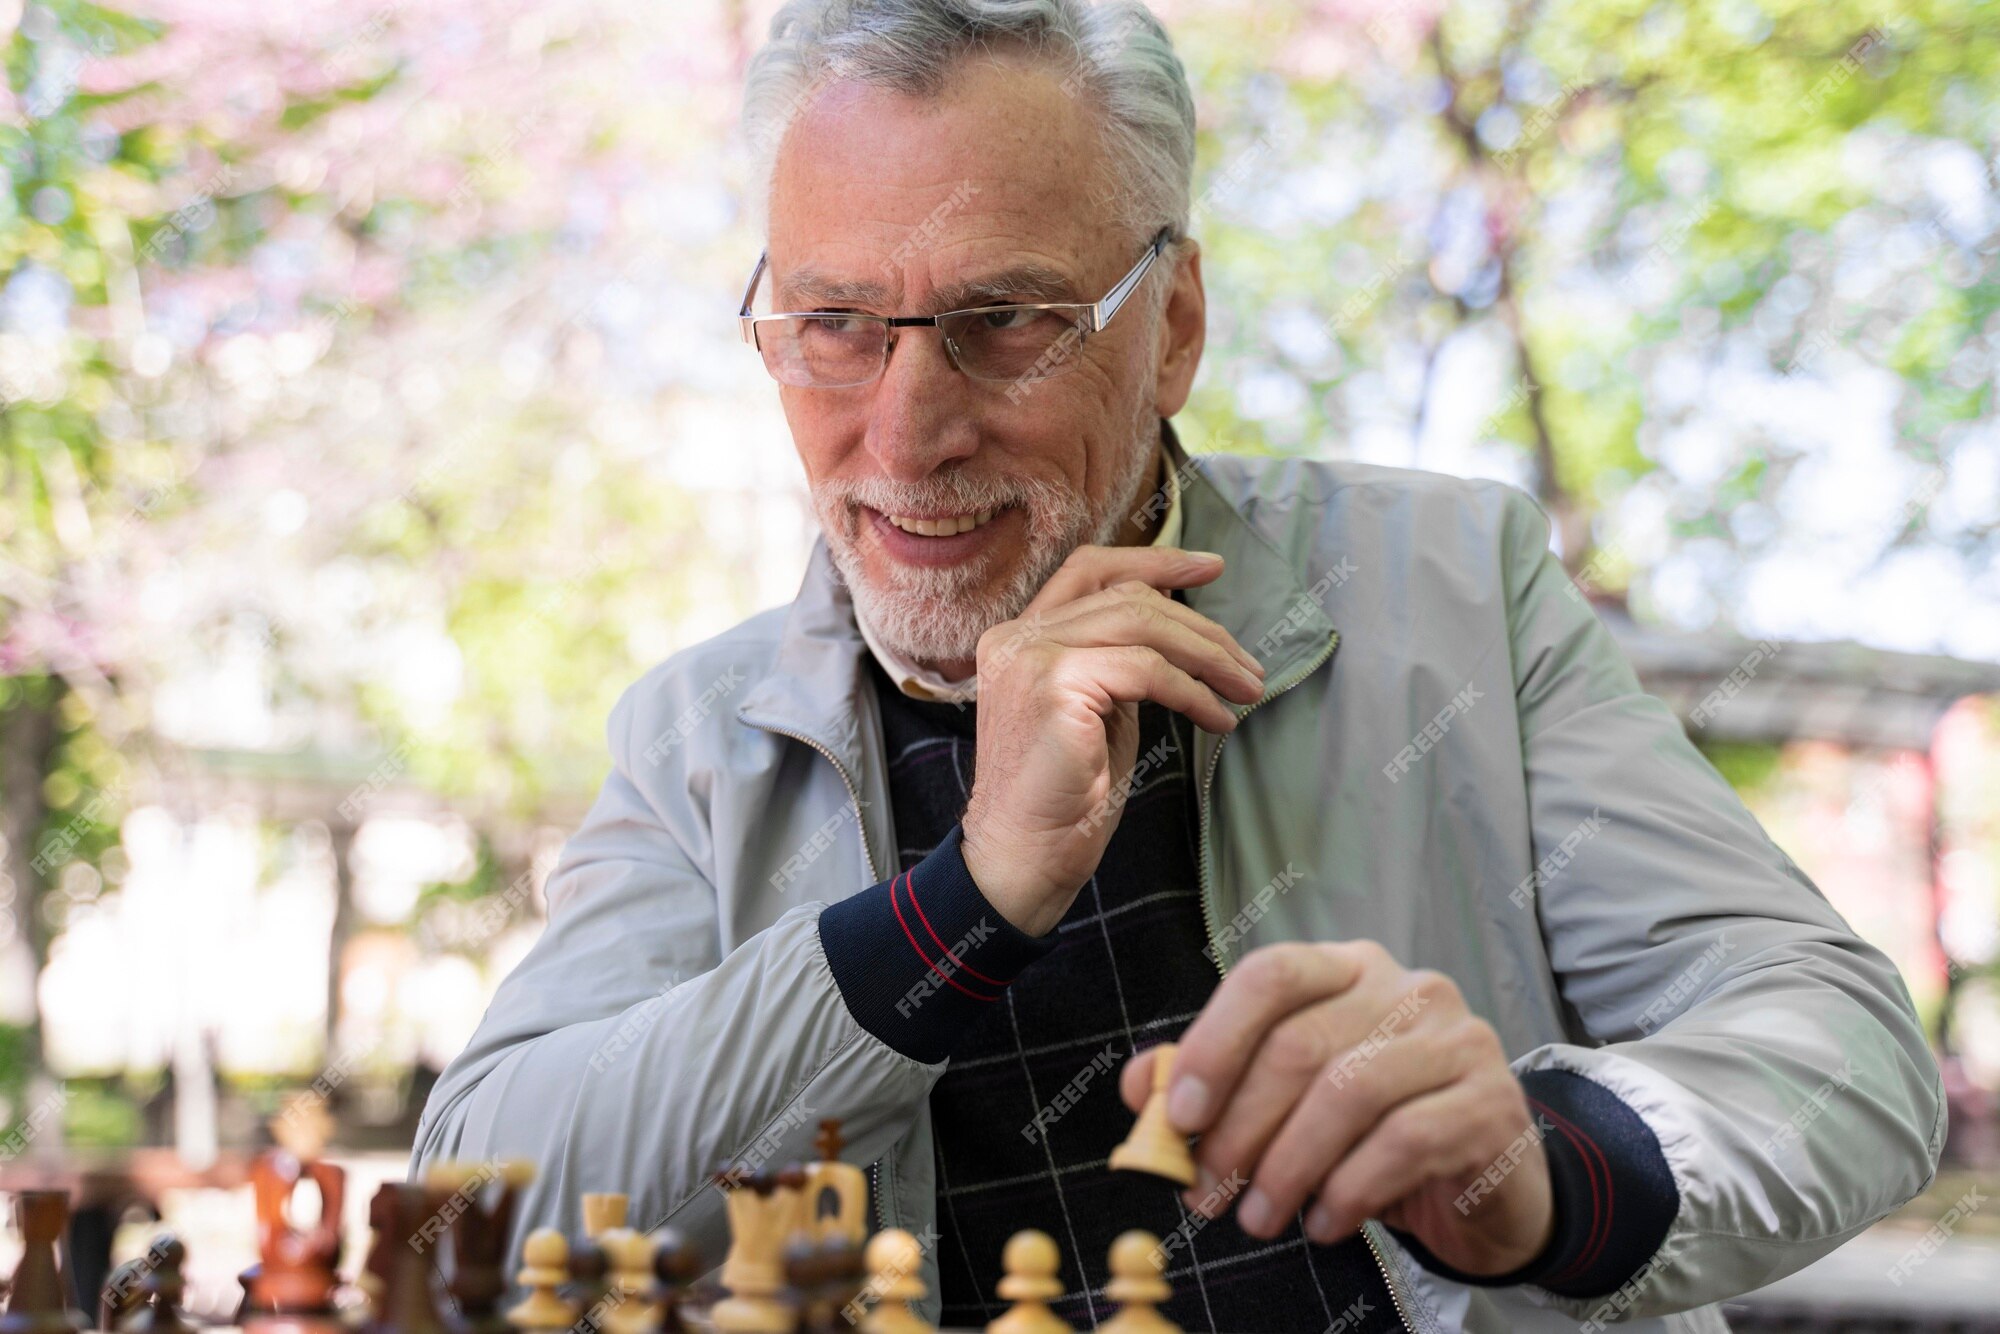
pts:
pixel 921 416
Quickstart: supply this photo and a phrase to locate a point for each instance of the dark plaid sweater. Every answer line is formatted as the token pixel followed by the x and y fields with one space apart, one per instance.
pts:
pixel 1036 1030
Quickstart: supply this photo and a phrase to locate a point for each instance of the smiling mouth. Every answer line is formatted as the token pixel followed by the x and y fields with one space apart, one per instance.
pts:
pixel 942 525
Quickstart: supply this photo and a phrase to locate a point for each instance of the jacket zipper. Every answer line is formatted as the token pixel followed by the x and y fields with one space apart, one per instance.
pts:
pixel 1208 917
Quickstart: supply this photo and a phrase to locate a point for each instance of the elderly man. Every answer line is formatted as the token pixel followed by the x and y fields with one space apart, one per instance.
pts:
pixel 1496 1009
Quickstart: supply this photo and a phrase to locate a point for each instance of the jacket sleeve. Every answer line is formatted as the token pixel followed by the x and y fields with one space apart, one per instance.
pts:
pixel 1775 1056
pixel 627 1053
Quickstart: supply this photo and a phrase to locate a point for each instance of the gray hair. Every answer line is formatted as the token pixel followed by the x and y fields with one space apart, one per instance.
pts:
pixel 1114 53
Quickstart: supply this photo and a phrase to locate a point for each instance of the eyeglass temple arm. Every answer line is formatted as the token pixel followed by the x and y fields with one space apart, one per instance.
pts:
pixel 746 323
pixel 1101 312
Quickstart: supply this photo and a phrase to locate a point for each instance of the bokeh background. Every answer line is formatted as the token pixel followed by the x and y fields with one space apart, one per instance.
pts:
pixel 371 413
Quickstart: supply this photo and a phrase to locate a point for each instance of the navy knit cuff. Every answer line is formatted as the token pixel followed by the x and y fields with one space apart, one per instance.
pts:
pixel 1615 1196
pixel 922 954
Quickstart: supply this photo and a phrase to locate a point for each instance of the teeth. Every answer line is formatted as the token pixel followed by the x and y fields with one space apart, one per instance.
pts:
pixel 945 527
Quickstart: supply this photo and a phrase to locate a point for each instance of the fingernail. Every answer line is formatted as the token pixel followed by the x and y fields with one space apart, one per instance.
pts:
pixel 1255 1213
pixel 1205 557
pixel 1204 1181
pixel 1187 1103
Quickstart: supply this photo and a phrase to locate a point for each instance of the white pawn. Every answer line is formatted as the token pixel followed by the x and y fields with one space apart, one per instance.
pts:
pixel 544 1268
pixel 895 1262
pixel 1031 1260
pixel 1137 1286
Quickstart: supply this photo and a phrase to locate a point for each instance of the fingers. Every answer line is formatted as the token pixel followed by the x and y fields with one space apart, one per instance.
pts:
pixel 1091 569
pixel 1129 673
pixel 1421 1141
pixel 1132 597
pixel 1268 986
pixel 1116 618
pixel 1325 1121
pixel 1135 1081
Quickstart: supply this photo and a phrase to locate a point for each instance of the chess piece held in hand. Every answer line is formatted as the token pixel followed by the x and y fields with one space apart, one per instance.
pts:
pixel 1154 1145
pixel 1030 1261
pixel 38 1296
pixel 1137 1285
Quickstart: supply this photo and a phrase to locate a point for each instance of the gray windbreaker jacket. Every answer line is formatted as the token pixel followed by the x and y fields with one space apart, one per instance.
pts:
pixel 1451 757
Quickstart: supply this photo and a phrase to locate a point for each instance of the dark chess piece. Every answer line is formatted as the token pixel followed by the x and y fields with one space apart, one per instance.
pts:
pixel 846 1276
pixel 37 1297
pixel 589 1270
pixel 479 1245
pixel 122 1296
pixel 676 1265
pixel 163 1287
pixel 407 1221
pixel 291 1287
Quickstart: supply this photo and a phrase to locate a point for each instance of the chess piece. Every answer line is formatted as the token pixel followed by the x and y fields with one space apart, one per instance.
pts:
pixel 479 1241
pixel 409 1226
pixel 1030 1261
pixel 847 1274
pixel 122 1294
pixel 1137 1286
pixel 602 1211
pixel 836 1191
pixel 544 1267
pixel 163 1288
pixel 676 1265
pixel 590 1287
pixel 806 1279
pixel 895 1279
pixel 37 1298
pixel 1154 1145
pixel 630 1309
pixel 764 1212
pixel 290 1289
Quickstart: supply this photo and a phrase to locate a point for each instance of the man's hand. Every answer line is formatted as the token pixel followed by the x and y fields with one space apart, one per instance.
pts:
pixel 1331 1071
pixel 1059 692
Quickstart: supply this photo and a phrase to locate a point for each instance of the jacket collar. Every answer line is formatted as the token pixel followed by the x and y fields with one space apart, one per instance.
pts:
pixel 813 689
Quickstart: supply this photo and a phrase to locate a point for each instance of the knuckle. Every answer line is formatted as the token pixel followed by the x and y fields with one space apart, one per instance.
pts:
pixel 1371 954
pixel 1295 1050
pixel 1431 986
pixel 1134 589
pixel 1271 971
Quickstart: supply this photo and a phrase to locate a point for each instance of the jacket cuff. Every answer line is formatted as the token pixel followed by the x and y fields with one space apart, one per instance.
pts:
pixel 921 955
pixel 1614 1194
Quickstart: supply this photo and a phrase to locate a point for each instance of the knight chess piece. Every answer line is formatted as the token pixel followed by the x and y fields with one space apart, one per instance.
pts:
pixel 164 1287
pixel 1030 1262
pixel 1138 1286
pixel 37 1296
pixel 1154 1145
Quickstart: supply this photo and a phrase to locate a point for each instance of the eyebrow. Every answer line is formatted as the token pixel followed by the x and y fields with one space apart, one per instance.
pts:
pixel 809 288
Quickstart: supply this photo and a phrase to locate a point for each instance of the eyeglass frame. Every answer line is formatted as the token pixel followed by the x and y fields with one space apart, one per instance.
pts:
pixel 1094 317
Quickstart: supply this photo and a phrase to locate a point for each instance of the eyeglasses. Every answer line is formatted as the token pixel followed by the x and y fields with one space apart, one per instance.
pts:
pixel 1024 343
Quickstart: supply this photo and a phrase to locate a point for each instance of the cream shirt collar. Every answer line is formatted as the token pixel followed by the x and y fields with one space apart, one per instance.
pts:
pixel 923 683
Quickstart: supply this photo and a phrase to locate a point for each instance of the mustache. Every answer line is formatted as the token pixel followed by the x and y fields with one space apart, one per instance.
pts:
pixel 949 494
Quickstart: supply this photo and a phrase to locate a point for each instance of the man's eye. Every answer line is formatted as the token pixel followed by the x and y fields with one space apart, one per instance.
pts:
pixel 999 321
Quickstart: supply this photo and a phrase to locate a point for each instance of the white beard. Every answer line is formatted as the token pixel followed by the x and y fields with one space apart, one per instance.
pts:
pixel 932 615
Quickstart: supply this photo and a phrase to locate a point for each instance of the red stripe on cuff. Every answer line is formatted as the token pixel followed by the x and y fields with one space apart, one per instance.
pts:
pixel 1593 1162
pixel 946 978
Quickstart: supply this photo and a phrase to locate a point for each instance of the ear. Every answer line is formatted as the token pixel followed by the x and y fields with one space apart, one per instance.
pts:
pixel 1183 329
